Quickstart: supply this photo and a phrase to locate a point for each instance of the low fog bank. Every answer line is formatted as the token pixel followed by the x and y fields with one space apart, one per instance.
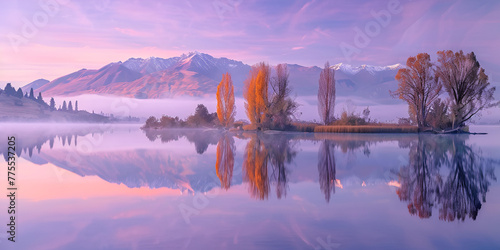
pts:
pixel 185 106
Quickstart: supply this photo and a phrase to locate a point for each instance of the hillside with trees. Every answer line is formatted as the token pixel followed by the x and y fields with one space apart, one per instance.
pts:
pixel 18 107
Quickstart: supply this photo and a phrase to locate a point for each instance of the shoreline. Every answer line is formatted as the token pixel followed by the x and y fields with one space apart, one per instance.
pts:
pixel 361 129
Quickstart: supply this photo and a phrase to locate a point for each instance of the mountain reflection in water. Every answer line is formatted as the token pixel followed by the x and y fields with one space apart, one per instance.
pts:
pixel 443 172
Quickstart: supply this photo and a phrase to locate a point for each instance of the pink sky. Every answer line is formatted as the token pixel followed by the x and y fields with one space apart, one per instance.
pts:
pixel 72 34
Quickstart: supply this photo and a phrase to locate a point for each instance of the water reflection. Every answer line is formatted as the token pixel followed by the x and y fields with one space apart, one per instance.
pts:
pixel 281 155
pixel 326 168
pixel 27 142
pixel 255 168
pixel 225 160
pixel 445 172
pixel 266 162
pixel 201 138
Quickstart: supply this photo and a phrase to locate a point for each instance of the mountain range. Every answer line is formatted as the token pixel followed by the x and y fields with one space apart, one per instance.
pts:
pixel 198 74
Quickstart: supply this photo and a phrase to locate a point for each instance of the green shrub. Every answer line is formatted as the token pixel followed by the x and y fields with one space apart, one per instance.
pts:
pixel 350 119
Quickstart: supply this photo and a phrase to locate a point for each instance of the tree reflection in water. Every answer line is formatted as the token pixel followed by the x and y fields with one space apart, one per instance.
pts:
pixel 225 160
pixel 326 168
pixel 255 168
pixel 281 153
pixel 29 141
pixel 275 151
pixel 201 138
pixel 445 172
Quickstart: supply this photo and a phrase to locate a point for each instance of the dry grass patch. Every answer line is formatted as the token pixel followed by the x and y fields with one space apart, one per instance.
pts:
pixel 366 129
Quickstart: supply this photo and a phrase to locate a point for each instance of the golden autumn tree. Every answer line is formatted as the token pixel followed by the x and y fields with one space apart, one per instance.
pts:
pixel 225 160
pixel 249 95
pixel 225 101
pixel 418 86
pixel 256 94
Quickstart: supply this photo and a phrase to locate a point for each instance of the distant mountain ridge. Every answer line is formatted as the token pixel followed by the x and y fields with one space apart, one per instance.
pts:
pixel 198 74
pixel 35 84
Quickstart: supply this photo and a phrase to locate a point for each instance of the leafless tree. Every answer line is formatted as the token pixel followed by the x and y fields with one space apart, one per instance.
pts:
pixel 280 82
pixel 326 94
pixel 282 106
pixel 466 84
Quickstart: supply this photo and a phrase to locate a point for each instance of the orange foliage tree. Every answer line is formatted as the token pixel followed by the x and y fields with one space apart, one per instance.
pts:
pixel 225 101
pixel 256 94
pixel 418 87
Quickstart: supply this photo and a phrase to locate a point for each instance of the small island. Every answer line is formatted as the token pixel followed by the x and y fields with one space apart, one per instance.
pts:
pixel 442 97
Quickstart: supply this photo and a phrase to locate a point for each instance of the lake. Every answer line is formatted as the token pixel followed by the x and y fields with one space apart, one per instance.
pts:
pixel 118 187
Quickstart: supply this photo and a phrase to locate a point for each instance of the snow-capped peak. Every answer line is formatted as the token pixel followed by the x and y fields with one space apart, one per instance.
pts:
pixel 191 54
pixel 149 65
pixel 346 68
pixel 352 70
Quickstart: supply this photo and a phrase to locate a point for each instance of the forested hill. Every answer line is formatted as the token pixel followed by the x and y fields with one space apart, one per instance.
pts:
pixel 14 109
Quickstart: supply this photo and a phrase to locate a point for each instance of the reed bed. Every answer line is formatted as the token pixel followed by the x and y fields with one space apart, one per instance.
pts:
pixel 383 128
pixel 304 127
pixel 366 129
pixel 249 127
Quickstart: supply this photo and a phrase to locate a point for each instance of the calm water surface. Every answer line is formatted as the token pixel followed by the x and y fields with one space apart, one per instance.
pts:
pixel 118 187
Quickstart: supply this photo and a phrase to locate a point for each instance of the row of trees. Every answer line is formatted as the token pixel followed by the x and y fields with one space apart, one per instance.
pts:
pixel 421 85
pixel 11 91
pixel 268 102
pixel 200 118
pixel 263 111
pixel 422 82
pixel 64 107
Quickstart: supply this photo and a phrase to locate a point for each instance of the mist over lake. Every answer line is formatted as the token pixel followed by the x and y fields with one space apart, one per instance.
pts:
pixel 184 106
pixel 161 184
pixel 237 124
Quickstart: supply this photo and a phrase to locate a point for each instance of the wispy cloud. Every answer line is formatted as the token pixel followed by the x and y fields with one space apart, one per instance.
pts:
pixel 252 31
pixel 131 32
